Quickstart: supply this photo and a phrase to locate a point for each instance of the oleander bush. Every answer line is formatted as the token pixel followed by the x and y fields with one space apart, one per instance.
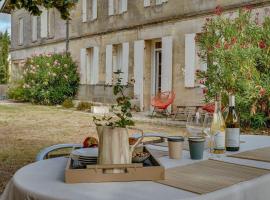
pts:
pixel 237 51
pixel 47 79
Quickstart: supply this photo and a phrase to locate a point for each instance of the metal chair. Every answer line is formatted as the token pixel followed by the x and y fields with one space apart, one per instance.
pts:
pixel 44 153
pixel 162 101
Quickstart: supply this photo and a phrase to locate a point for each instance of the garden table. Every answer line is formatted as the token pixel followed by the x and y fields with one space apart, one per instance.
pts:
pixel 44 180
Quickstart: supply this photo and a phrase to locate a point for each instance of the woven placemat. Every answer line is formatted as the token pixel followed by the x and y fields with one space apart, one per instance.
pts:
pixel 210 175
pixel 262 154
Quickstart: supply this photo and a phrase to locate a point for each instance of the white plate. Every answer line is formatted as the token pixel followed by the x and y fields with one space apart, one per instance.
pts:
pixel 86 152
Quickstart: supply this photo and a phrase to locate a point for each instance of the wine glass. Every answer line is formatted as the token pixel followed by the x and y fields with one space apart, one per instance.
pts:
pixel 207 122
pixel 194 124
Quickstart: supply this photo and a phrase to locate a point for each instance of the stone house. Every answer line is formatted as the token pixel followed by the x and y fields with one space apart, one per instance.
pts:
pixel 151 41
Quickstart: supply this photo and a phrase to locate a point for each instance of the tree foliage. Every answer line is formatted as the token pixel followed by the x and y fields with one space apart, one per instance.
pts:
pixel 4 52
pixel 63 6
pixel 237 50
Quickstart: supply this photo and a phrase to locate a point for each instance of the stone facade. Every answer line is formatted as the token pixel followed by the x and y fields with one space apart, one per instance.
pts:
pixel 174 19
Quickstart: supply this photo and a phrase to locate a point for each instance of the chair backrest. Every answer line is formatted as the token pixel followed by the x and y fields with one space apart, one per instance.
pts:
pixel 163 98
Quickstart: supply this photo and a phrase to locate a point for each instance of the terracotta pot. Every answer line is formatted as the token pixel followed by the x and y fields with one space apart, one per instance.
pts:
pixel 114 146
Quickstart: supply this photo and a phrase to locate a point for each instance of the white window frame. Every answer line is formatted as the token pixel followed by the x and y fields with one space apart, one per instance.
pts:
pixel 21 31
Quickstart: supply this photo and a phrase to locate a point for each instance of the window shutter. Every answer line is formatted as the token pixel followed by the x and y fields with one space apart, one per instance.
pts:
pixel 44 23
pixel 147 3
pixel 124 5
pixel 159 2
pixel 21 32
pixel 138 71
pixel 190 52
pixel 111 7
pixel 34 28
pixel 84 10
pixel 83 67
pixel 166 68
pixel 125 62
pixel 94 9
pixel 95 76
pixel 51 23
pixel 109 70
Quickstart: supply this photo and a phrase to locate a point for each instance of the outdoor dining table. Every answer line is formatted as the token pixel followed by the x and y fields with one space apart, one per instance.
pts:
pixel 44 180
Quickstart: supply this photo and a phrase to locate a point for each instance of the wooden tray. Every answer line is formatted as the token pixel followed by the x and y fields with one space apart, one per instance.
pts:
pixel 152 171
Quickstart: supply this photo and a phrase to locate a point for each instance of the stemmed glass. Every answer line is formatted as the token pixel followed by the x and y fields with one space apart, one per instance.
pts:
pixel 194 124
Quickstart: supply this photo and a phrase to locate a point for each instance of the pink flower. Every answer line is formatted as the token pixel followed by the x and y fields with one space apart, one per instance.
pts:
pixel 262 44
pixel 218 10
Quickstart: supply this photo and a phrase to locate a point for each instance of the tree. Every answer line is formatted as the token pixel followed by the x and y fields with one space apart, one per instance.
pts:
pixel 63 6
pixel 237 51
pixel 4 52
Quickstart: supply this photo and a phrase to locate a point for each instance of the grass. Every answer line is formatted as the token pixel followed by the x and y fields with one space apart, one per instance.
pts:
pixel 26 129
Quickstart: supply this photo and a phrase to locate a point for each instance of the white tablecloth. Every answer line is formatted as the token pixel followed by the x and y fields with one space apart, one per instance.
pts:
pixel 44 180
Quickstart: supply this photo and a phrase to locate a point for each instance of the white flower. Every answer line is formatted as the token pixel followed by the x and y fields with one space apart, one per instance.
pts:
pixel 65 76
pixel 48 64
pixel 65 65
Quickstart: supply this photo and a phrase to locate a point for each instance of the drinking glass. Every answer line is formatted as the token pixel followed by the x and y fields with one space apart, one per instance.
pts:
pixel 194 124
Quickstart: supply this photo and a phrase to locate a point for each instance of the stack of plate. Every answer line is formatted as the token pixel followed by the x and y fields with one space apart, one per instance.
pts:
pixel 87 156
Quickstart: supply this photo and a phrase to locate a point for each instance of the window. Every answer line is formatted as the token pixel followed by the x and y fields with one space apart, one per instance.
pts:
pixel 44 23
pixel 89 10
pixel 192 60
pixel 117 58
pixel 21 35
pixel 117 6
pixel 47 23
pixel 34 28
pixel 148 3
pixel 89 66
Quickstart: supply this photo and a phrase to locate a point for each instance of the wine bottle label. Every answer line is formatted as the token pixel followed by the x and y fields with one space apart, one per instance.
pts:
pixel 219 140
pixel 232 137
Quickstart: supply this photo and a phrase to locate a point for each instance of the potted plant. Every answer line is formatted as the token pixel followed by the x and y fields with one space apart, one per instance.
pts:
pixel 113 132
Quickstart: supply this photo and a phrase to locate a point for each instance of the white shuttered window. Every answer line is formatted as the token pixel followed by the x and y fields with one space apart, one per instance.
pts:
pixel 123 6
pixel 34 28
pixel 125 62
pixel 94 9
pixel 111 7
pixel 166 69
pixel 139 71
pixel 109 64
pixel 83 72
pixel 190 60
pixel 21 32
pixel 84 10
pixel 95 74
pixel 44 23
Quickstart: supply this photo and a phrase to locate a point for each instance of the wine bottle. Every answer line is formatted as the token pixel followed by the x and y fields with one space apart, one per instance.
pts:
pixel 232 127
pixel 218 129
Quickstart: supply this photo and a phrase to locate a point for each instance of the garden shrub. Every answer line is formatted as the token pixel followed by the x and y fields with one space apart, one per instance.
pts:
pixel 49 79
pixel 237 52
pixel 68 103
pixel 84 106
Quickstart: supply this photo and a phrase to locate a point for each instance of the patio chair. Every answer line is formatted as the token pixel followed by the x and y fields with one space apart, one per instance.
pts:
pixel 161 102
pixel 44 153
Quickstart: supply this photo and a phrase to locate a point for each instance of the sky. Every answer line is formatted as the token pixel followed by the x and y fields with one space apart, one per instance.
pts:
pixel 4 21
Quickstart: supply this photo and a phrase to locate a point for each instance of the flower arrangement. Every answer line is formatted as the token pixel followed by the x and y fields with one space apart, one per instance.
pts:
pixel 48 79
pixel 122 110
pixel 237 51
